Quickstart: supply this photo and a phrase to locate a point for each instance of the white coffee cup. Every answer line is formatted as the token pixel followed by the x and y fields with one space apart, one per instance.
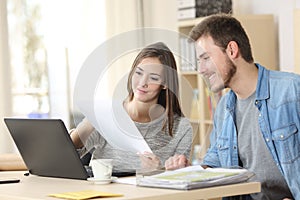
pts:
pixel 102 168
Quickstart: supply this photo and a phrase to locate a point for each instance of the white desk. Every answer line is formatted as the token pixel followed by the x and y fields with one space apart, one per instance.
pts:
pixel 35 187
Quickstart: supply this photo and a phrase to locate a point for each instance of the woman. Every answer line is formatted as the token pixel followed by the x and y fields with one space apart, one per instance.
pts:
pixel 152 103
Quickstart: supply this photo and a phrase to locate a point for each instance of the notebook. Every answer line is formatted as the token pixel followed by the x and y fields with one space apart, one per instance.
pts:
pixel 194 177
pixel 46 147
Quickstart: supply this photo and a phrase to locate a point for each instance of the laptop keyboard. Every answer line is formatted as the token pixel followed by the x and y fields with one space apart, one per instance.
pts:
pixel 114 173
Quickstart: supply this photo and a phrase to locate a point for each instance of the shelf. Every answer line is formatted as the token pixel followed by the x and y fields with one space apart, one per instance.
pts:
pixel 195 121
pixel 195 21
pixel 189 73
pixel 208 122
pixel 189 23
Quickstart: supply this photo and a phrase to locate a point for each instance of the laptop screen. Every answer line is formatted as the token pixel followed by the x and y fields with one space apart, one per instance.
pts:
pixel 46 147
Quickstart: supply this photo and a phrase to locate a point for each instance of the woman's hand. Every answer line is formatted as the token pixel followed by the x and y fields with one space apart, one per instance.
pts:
pixel 80 134
pixel 176 162
pixel 149 161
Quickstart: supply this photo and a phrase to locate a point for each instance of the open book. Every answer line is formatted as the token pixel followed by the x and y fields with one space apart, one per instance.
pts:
pixel 194 177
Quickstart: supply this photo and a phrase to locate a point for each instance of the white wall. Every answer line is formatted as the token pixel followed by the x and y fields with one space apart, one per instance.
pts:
pixel 160 14
pixel 283 12
pixel 6 143
pixel 120 20
pixel 77 27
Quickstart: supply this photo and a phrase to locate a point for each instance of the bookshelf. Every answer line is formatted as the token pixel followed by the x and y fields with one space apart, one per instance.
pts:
pixel 261 31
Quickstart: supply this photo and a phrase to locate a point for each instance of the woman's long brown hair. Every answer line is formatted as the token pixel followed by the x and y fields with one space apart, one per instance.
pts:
pixel 168 97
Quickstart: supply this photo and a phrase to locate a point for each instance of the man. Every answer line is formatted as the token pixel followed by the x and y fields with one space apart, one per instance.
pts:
pixel 257 123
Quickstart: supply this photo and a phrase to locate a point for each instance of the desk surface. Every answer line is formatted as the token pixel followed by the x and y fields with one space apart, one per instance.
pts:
pixel 35 187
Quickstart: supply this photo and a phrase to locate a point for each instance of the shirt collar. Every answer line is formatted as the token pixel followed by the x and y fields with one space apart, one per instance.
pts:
pixel 262 87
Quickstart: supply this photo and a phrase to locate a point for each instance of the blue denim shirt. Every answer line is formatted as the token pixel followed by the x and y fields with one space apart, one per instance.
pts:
pixel 278 101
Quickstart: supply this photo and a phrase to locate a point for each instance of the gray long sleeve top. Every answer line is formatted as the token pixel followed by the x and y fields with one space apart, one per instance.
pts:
pixel 160 142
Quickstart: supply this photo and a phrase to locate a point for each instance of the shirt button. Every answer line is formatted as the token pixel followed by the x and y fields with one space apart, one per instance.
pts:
pixel 234 147
pixel 259 115
pixel 256 102
pixel 267 139
pixel 281 136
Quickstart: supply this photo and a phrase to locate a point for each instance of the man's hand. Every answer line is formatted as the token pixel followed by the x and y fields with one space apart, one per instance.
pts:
pixel 176 162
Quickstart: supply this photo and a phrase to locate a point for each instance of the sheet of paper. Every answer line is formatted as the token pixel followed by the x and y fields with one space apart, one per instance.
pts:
pixel 111 120
pixel 85 194
pixel 127 180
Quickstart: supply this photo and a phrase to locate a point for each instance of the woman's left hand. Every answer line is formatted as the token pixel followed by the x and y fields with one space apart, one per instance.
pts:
pixel 149 161
pixel 176 162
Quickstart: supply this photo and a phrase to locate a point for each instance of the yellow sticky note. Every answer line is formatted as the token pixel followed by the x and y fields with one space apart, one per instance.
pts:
pixel 85 194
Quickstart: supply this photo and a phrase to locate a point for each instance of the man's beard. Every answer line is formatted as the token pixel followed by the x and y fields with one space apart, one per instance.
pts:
pixel 231 70
pixel 230 73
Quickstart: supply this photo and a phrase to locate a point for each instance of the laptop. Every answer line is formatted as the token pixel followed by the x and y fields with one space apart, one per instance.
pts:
pixel 46 148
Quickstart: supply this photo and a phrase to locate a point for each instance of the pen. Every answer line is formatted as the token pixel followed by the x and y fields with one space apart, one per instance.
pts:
pixel 11 180
pixel 144 155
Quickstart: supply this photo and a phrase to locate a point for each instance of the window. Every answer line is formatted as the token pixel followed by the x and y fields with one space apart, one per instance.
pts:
pixel 28 57
pixel 49 41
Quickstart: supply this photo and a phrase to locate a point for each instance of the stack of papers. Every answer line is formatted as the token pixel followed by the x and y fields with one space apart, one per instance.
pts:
pixel 195 177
